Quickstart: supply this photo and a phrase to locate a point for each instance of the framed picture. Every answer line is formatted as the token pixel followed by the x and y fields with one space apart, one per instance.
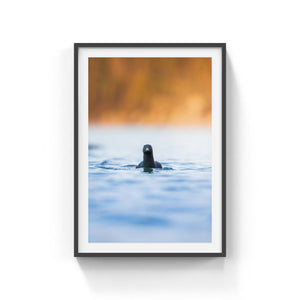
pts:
pixel 150 142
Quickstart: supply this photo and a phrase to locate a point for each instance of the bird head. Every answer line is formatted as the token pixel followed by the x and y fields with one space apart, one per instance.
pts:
pixel 147 149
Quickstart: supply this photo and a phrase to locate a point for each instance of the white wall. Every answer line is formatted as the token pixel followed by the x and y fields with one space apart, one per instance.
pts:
pixel 36 155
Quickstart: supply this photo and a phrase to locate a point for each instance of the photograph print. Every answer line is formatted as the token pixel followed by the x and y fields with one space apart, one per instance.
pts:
pixel 149 150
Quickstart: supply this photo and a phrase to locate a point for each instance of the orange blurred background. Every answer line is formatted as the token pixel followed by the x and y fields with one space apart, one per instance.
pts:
pixel 150 91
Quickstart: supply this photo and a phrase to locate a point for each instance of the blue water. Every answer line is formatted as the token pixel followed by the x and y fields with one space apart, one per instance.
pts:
pixel 172 204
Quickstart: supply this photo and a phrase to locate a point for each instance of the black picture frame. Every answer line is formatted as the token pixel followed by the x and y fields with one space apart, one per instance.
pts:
pixel 222 46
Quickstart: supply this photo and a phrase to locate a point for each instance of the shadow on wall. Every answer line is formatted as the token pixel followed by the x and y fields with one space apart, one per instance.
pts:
pixel 180 275
pixel 157 275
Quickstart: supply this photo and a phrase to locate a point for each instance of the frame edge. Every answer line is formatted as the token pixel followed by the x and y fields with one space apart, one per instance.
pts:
pixel 76 150
pixel 76 50
pixel 224 149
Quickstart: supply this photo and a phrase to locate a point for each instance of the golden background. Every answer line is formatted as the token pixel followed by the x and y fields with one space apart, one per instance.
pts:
pixel 150 91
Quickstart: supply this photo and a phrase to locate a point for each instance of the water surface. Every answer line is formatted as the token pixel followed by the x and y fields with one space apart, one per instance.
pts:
pixel 172 204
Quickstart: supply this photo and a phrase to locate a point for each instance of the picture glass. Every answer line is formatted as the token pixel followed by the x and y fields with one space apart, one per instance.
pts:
pixel 150 150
